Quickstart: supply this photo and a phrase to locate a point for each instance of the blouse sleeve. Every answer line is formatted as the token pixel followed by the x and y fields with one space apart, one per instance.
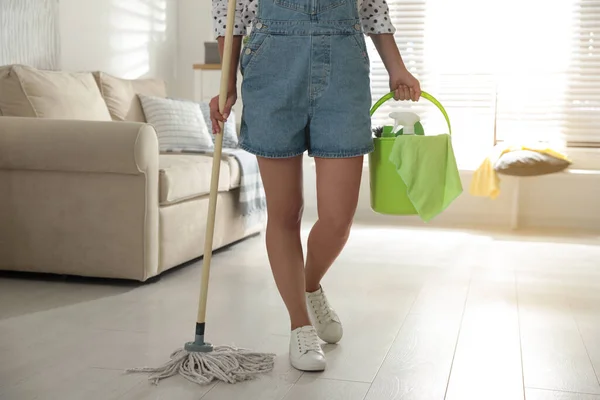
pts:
pixel 375 18
pixel 219 12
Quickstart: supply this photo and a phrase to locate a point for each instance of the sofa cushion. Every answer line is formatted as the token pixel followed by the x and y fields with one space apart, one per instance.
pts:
pixel 186 176
pixel 180 125
pixel 13 101
pixel 121 95
pixel 28 92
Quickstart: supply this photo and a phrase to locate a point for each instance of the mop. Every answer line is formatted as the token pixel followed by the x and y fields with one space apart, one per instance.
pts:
pixel 199 361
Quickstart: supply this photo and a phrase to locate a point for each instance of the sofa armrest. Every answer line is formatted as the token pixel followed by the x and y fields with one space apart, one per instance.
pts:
pixel 79 197
pixel 77 146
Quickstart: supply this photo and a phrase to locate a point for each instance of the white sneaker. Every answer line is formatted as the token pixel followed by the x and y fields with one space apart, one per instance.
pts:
pixel 324 318
pixel 305 352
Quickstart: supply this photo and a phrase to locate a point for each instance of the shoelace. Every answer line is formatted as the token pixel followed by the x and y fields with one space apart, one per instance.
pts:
pixel 321 307
pixel 308 341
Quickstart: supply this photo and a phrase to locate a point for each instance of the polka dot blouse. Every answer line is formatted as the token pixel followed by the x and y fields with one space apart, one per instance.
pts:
pixel 374 15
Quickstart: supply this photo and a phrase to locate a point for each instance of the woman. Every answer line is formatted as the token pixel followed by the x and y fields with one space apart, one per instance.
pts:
pixel 306 88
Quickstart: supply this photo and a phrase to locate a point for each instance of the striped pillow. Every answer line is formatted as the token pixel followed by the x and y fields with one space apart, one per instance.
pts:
pixel 180 125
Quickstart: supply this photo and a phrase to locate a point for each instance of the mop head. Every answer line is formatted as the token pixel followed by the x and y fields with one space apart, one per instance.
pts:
pixel 224 363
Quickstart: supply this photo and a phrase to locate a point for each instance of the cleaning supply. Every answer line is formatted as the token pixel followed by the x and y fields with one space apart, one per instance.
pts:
pixel 410 122
pixel 413 174
pixel 199 361
pixel 388 131
pixel 406 119
pixel 486 182
pixel 428 168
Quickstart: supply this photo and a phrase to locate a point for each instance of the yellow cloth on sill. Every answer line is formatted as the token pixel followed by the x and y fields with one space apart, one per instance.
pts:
pixel 486 182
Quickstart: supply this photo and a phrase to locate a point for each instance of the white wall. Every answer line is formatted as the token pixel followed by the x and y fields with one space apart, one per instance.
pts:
pixel 194 27
pixel 126 38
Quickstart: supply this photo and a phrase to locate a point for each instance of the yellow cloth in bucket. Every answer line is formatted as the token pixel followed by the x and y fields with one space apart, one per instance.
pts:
pixel 428 168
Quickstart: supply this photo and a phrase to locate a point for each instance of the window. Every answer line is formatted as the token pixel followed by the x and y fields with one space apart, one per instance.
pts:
pixel 504 69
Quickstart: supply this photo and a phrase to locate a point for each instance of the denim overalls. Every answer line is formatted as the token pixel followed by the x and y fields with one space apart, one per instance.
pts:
pixel 306 81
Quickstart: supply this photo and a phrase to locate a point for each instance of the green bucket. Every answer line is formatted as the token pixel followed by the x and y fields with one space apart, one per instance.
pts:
pixel 388 191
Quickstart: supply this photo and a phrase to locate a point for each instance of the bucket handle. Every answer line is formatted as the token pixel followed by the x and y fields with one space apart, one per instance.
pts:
pixel 424 95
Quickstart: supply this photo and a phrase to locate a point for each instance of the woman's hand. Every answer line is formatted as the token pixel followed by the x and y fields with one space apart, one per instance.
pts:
pixel 215 115
pixel 404 85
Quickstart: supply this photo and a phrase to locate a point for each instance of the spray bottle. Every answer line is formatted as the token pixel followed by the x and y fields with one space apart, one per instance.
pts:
pixel 410 122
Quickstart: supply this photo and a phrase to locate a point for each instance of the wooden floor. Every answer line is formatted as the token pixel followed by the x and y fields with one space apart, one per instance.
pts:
pixel 428 315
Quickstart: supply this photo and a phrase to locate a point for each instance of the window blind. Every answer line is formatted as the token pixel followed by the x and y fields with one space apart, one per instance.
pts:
pixel 512 69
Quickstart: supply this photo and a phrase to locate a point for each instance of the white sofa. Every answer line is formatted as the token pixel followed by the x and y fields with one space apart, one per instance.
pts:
pixel 83 188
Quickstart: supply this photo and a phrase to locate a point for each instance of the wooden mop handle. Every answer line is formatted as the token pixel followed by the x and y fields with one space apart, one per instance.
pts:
pixel 216 166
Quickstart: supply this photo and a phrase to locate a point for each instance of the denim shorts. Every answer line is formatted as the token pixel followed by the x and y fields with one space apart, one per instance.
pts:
pixel 306 81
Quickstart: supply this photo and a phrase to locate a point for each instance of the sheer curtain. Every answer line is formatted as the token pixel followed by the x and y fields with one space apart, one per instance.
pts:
pixel 507 70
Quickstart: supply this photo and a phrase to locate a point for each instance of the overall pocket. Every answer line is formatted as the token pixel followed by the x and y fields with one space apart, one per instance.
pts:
pixel 361 45
pixel 254 47
pixel 304 6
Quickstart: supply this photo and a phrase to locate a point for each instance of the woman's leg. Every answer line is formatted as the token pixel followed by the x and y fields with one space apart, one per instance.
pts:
pixel 338 184
pixel 282 180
